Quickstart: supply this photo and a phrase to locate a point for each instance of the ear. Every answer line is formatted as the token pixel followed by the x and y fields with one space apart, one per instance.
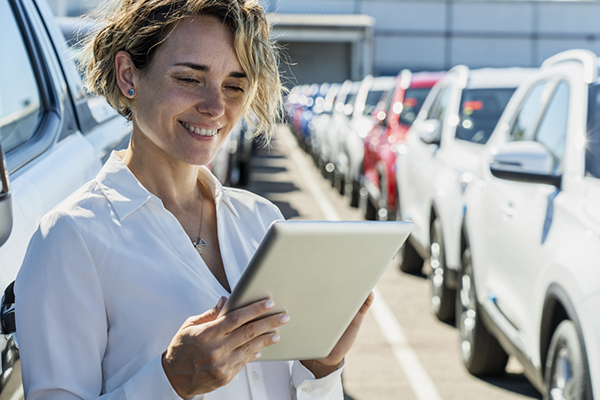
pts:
pixel 126 73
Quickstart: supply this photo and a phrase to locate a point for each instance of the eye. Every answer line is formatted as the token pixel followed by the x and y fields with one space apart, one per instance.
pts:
pixel 236 88
pixel 188 80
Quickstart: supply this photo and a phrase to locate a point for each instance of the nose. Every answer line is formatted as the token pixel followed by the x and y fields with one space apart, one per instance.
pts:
pixel 211 102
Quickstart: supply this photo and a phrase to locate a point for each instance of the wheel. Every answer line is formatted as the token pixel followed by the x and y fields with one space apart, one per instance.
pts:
pixel 244 173
pixel 442 297
pixel 351 191
pixel 383 211
pixel 409 260
pixel 338 182
pixel 480 351
pixel 365 205
pixel 566 372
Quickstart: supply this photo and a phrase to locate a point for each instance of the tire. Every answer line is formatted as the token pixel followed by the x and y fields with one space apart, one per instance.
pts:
pixel 443 298
pixel 339 182
pixel 244 173
pixel 480 351
pixel 410 261
pixel 383 211
pixel 566 370
pixel 366 206
pixel 351 191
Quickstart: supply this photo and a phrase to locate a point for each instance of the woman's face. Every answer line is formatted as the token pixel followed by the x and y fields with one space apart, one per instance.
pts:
pixel 190 96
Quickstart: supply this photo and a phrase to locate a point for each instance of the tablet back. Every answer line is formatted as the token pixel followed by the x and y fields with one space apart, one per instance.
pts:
pixel 320 273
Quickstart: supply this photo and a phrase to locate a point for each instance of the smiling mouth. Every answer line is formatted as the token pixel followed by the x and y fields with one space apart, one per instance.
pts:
pixel 200 131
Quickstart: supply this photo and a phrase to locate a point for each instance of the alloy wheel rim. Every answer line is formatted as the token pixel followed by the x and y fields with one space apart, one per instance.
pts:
pixel 562 384
pixel 437 271
pixel 468 316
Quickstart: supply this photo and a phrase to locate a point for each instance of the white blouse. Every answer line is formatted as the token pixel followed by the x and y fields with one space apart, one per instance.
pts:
pixel 110 276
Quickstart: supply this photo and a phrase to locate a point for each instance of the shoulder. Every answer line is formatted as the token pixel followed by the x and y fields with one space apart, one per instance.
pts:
pixel 76 210
pixel 245 202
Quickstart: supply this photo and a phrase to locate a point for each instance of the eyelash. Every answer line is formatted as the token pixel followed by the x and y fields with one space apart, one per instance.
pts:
pixel 192 81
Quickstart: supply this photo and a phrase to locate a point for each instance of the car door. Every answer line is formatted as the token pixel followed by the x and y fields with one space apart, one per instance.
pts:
pixel 520 213
pixel 421 163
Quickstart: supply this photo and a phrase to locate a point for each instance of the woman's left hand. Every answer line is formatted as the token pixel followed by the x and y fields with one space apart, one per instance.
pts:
pixel 335 359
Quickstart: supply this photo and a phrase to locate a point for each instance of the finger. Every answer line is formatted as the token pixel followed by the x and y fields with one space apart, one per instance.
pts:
pixel 236 318
pixel 250 351
pixel 207 316
pixel 250 331
pixel 362 312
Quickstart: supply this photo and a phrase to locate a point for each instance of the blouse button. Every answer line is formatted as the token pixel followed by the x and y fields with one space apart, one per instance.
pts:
pixel 307 389
pixel 255 376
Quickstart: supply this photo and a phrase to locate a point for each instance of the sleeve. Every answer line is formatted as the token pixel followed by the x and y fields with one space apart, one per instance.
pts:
pixel 62 323
pixel 307 387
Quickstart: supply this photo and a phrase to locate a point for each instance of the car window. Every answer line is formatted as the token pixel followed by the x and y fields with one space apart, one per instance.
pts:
pixel 528 118
pixel 592 148
pixel 372 101
pixel 20 105
pixel 438 108
pixel 411 105
pixel 480 110
pixel 552 132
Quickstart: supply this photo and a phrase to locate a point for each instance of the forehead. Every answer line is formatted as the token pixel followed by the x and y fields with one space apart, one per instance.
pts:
pixel 202 40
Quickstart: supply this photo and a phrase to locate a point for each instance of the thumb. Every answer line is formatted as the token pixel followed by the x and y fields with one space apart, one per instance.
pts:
pixel 209 315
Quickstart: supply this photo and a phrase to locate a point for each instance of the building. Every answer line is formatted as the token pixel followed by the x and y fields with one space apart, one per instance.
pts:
pixel 333 40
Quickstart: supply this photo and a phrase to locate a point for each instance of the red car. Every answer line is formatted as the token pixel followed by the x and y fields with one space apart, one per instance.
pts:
pixel 402 105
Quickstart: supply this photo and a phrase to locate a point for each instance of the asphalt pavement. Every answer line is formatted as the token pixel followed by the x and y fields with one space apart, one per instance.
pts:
pixel 403 351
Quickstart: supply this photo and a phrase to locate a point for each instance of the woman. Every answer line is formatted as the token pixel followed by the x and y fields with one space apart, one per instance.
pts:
pixel 155 241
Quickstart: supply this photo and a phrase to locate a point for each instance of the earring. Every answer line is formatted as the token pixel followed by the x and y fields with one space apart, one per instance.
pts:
pixel 131 92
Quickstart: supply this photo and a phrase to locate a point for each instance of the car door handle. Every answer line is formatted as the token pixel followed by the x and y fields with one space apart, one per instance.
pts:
pixel 509 210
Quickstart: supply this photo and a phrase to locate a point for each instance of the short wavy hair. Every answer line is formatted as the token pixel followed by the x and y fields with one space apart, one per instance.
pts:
pixel 139 27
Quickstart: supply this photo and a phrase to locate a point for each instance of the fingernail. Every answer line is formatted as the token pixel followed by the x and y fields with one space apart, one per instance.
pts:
pixel 275 338
pixel 269 303
pixel 257 355
pixel 285 318
pixel 221 302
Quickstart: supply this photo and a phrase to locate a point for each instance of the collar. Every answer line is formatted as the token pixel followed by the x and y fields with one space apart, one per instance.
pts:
pixel 126 194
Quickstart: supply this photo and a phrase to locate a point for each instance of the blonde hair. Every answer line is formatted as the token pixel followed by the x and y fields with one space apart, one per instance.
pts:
pixel 139 27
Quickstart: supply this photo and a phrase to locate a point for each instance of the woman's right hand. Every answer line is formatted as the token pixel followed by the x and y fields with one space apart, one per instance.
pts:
pixel 208 351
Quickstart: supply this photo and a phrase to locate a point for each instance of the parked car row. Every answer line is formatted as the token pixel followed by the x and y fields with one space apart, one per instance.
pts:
pixel 500 187
pixel 499 170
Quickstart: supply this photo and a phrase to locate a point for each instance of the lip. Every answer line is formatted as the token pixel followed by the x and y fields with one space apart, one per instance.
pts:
pixel 201 131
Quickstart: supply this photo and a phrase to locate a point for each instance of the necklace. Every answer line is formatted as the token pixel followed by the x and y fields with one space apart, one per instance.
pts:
pixel 200 243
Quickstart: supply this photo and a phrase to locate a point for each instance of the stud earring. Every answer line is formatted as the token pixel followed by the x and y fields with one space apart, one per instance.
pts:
pixel 131 92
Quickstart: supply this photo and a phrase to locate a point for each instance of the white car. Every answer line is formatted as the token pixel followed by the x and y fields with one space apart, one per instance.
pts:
pixel 53 139
pixel 530 278
pixel 336 126
pixel 351 146
pixel 437 161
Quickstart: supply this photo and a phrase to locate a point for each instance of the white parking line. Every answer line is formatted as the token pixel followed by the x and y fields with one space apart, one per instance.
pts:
pixel 421 383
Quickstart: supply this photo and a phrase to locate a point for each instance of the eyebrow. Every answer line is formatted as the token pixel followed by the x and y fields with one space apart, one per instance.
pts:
pixel 206 68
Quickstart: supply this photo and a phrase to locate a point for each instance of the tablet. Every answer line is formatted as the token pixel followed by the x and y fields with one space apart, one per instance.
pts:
pixel 320 273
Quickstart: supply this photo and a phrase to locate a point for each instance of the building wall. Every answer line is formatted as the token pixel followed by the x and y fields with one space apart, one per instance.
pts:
pixel 317 62
pixel 435 34
pixel 438 34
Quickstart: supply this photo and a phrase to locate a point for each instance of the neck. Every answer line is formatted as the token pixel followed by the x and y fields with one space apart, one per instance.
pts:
pixel 173 181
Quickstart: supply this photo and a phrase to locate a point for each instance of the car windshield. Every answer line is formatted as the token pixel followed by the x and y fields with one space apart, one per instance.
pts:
pixel 413 100
pixel 592 148
pixel 480 110
pixel 372 101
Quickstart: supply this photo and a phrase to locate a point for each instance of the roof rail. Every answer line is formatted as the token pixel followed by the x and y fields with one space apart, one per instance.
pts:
pixel 587 58
pixel 463 74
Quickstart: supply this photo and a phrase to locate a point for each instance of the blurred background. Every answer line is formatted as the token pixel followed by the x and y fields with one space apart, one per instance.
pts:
pixel 335 40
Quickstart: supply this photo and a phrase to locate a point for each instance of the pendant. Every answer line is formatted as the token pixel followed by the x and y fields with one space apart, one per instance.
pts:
pixel 199 245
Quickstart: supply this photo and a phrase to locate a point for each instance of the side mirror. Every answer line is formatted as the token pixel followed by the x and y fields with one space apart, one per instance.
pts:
pixel 5 202
pixel 525 161
pixel 431 131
